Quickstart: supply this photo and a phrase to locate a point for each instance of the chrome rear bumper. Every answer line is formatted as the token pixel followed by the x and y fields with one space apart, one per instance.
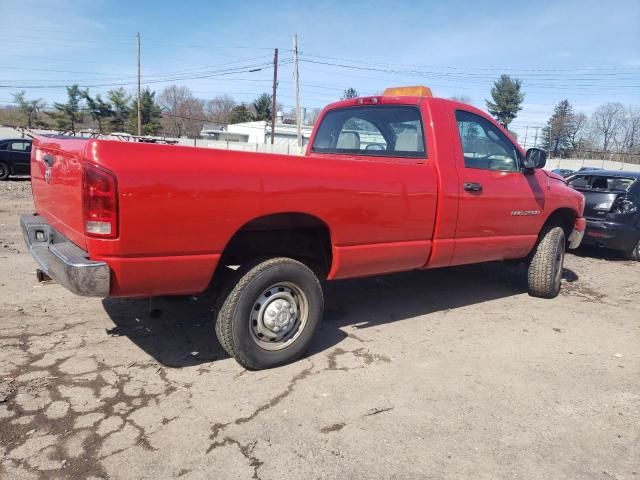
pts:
pixel 63 261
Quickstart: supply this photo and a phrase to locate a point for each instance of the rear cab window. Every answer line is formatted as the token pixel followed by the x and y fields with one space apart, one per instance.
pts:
pixel 375 130
pixel 602 183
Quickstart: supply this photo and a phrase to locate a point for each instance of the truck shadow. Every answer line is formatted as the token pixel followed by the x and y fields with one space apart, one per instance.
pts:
pixel 179 332
pixel 176 331
pixel 370 302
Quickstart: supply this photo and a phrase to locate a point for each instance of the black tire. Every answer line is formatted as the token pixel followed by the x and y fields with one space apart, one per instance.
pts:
pixel 261 289
pixel 4 171
pixel 545 269
pixel 634 254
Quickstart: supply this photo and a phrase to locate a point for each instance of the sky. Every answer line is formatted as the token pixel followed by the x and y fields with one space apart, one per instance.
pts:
pixel 585 51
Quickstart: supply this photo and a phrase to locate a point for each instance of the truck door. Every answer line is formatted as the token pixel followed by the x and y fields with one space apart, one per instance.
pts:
pixel 500 206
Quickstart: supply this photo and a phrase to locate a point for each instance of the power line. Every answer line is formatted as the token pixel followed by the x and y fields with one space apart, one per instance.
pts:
pixel 78 38
pixel 12 67
pixel 428 74
pixel 197 75
pixel 501 69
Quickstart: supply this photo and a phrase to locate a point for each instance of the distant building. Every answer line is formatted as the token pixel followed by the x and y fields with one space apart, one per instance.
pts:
pixel 258 132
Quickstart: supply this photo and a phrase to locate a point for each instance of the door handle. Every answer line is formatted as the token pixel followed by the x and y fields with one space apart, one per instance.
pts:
pixel 49 159
pixel 473 187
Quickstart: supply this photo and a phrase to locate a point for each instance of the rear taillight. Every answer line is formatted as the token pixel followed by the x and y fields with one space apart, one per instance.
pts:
pixel 99 201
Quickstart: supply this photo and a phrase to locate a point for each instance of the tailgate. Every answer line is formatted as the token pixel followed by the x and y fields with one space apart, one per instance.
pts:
pixel 597 204
pixel 56 180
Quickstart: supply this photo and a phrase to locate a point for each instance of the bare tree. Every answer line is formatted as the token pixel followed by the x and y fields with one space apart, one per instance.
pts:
pixel 11 115
pixel 576 130
pixel 313 116
pixel 607 120
pixel 29 108
pixel 183 114
pixel 218 109
pixel 630 135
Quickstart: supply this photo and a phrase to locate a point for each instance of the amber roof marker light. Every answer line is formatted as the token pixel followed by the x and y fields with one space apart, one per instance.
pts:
pixel 413 91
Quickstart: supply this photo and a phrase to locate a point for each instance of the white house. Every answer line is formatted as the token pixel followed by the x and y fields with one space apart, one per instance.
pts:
pixel 258 132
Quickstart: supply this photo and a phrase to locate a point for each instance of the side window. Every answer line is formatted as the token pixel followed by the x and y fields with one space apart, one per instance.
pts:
pixel 376 130
pixel 601 182
pixel 21 146
pixel 4 146
pixel 484 146
pixel 579 182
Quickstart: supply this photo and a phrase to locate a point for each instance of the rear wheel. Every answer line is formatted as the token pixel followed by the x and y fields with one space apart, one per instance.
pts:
pixel 634 254
pixel 4 171
pixel 270 315
pixel 545 268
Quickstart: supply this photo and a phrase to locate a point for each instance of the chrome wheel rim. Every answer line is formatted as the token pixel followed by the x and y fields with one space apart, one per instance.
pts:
pixel 278 316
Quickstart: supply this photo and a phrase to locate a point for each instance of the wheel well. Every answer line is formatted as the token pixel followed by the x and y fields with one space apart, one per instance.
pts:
pixel 296 235
pixel 563 217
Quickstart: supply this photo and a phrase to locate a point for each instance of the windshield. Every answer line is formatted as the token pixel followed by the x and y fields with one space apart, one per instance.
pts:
pixel 376 130
pixel 601 182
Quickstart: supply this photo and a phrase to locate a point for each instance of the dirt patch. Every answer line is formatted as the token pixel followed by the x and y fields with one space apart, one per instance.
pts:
pixel 456 372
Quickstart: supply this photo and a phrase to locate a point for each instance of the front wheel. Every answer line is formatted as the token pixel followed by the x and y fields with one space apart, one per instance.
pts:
pixel 270 315
pixel 545 268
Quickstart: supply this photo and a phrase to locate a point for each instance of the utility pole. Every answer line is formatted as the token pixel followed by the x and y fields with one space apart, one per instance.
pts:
pixel 297 89
pixel 139 100
pixel 526 131
pixel 535 140
pixel 273 95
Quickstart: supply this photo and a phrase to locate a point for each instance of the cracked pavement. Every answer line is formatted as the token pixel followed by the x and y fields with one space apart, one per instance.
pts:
pixel 439 374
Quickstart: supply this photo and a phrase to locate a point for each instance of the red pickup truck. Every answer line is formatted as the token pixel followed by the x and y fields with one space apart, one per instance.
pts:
pixel 389 183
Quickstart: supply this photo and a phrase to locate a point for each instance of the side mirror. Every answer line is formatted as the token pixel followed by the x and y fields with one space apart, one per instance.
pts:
pixel 535 158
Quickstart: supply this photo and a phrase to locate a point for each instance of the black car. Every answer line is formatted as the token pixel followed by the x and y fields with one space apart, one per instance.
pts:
pixel 15 157
pixel 612 209
pixel 563 172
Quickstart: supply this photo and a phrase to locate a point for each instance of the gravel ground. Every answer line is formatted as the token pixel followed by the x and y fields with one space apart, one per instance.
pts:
pixel 442 374
pixel 17 188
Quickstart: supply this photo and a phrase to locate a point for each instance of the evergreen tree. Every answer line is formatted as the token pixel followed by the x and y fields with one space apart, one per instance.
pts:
pixel 557 134
pixel 349 93
pixel 507 98
pixel 239 114
pixel 262 106
pixel 120 108
pixel 69 114
pixel 150 113
pixel 99 109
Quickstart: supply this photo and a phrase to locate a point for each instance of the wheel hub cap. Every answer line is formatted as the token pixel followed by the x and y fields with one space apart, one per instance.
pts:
pixel 278 316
